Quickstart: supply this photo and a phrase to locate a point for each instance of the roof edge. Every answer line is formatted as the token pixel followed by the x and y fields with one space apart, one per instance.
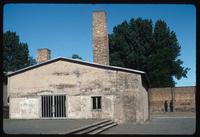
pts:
pixel 76 61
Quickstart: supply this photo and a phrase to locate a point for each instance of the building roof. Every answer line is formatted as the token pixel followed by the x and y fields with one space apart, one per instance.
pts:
pixel 78 62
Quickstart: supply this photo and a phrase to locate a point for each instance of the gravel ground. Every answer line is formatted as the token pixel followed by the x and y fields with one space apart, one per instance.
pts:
pixel 43 126
pixel 157 126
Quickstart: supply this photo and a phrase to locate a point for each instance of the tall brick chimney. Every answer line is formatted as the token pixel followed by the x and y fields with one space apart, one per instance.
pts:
pixel 100 38
pixel 43 55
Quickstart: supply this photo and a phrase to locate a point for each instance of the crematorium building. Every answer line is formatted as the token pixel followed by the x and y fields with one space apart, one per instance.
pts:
pixel 76 89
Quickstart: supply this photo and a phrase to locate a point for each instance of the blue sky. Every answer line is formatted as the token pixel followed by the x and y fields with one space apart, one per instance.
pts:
pixel 66 29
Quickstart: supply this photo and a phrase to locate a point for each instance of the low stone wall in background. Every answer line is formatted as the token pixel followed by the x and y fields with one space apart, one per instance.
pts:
pixel 182 99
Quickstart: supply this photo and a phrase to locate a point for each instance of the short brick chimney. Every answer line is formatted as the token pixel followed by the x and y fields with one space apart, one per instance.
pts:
pixel 100 38
pixel 43 55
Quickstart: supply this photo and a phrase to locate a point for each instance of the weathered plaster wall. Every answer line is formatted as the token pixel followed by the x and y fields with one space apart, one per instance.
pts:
pixel 81 107
pixel 123 97
pixel 184 98
pixel 130 98
pixel 24 108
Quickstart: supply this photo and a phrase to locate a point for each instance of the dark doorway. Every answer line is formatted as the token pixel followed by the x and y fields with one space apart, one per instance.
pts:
pixel 53 106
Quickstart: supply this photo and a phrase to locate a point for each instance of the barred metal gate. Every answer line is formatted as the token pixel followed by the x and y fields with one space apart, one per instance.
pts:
pixel 53 106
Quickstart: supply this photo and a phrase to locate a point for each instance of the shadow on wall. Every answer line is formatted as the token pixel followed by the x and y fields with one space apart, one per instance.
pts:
pixel 5 112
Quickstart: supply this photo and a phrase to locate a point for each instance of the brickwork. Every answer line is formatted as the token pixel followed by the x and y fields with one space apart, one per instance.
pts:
pixel 43 55
pixel 100 38
pixel 183 98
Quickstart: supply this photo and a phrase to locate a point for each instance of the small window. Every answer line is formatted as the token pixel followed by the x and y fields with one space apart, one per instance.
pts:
pixel 96 101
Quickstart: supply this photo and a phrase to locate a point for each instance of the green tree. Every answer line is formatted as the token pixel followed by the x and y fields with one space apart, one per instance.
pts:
pixel 76 56
pixel 15 53
pixel 138 45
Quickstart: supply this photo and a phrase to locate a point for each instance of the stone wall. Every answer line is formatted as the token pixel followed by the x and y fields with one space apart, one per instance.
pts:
pixel 183 98
pixel 100 39
pixel 124 99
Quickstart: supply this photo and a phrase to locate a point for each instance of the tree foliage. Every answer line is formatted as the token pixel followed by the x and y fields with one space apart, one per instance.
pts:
pixel 76 56
pixel 15 53
pixel 138 44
